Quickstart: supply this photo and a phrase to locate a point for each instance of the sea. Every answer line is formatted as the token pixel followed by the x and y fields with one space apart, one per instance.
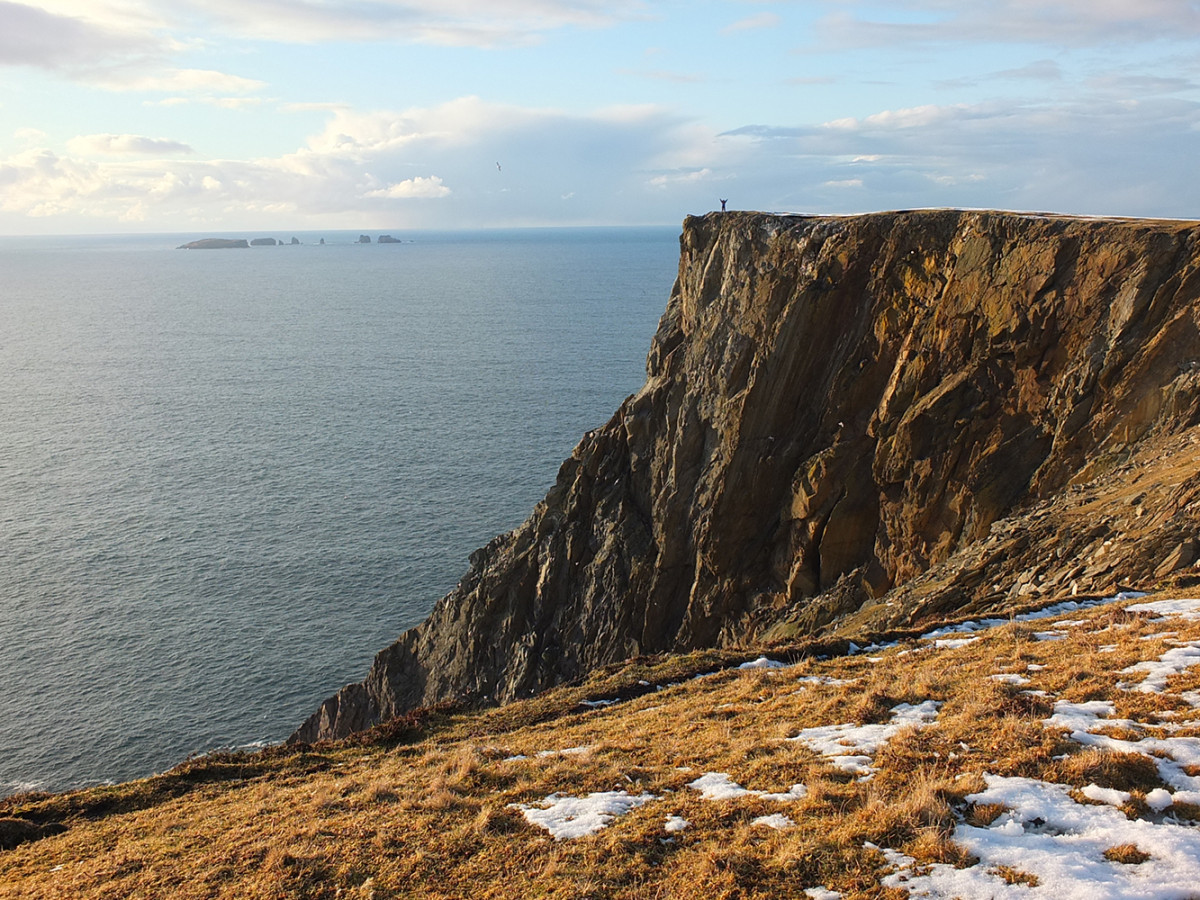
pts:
pixel 229 477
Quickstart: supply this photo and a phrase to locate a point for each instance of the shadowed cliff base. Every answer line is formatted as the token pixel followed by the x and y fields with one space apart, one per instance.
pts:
pixel 867 420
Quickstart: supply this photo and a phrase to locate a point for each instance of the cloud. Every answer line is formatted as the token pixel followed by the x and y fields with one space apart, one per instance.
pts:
pixel 170 80
pixel 413 188
pixel 107 45
pixel 459 23
pixel 642 164
pixel 753 23
pixel 31 36
pixel 1071 23
pixel 686 177
pixel 125 145
pixel 1090 156
pixel 353 171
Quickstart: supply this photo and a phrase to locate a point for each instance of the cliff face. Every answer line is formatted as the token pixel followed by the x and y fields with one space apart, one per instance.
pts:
pixel 837 410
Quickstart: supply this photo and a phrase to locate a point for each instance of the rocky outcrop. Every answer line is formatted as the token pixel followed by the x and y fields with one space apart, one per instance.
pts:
pixel 216 244
pixel 837 409
pixel 387 239
pixel 264 242
pixel 364 239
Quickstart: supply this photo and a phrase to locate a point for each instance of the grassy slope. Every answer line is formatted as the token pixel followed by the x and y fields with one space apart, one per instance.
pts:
pixel 423 809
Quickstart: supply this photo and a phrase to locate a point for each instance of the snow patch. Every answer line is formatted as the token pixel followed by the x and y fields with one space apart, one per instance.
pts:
pixel 575 817
pixel 852 748
pixel 1061 843
pixel 676 824
pixel 777 821
pixel 719 786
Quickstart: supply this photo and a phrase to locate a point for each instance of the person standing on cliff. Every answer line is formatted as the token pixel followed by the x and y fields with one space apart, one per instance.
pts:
pixel 723 202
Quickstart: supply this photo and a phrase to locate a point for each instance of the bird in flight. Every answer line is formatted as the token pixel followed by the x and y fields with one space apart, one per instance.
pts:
pixel 498 169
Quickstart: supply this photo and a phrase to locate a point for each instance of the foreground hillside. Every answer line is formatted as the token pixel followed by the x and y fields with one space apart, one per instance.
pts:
pixel 841 418
pixel 1053 754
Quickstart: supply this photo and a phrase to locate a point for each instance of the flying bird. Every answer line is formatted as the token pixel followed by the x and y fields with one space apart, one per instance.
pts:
pixel 498 169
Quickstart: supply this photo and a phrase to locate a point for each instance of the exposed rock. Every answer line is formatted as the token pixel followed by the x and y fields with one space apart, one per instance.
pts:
pixel 295 241
pixel 14 832
pixel 263 242
pixel 858 420
pixel 364 239
pixel 216 244
pixel 388 239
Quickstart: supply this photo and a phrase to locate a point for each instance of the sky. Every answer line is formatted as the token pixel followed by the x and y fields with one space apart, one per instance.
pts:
pixel 213 116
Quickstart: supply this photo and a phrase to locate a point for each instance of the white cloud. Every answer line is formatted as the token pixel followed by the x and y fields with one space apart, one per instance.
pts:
pixel 444 22
pixel 1055 22
pixel 671 178
pixel 33 36
pixel 412 188
pixel 628 165
pixel 169 80
pixel 601 161
pixel 126 144
pixel 1094 156
pixel 753 23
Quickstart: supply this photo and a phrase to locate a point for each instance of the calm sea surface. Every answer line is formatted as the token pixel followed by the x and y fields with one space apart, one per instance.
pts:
pixel 228 478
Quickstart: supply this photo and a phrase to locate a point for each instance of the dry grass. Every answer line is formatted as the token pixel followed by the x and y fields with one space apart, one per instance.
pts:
pixel 425 807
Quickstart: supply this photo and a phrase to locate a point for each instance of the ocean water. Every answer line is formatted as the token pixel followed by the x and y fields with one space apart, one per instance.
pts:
pixel 228 478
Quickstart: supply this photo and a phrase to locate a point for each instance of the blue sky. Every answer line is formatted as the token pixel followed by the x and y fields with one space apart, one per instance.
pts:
pixel 248 115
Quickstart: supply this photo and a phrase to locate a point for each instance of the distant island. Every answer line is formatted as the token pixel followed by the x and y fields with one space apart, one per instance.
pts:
pixel 242 243
pixel 216 244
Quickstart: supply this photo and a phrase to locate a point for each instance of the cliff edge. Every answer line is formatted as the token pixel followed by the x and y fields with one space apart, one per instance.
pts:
pixel 863 419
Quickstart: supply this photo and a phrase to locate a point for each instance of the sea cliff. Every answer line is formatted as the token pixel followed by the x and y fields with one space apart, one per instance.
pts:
pixel 870 419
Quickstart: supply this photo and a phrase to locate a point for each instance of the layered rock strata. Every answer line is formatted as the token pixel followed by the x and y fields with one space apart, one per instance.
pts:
pixel 835 408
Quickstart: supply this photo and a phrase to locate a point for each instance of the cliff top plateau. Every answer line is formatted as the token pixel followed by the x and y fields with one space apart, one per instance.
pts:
pixel 1046 755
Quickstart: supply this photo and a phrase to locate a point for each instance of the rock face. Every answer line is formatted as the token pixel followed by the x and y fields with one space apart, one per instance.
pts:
pixel 264 242
pixel 216 244
pixel 364 239
pixel 864 419
pixel 387 239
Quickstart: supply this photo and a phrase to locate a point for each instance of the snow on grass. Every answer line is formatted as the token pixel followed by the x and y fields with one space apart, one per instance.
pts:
pixel 1010 678
pixel 719 786
pixel 954 643
pixel 1174 757
pixel 1185 608
pixel 675 824
pixel 576 817
pixel 1111 796
pixel 777 821
pixel 1046 845
pixel 1048 612
pixel 826 680
pixel 1176 660
pixel 763 663
pixel 569 751
pixel 821 893
pixel 852 748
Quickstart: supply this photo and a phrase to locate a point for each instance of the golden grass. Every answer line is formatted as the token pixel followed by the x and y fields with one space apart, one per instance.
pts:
pixel 429 807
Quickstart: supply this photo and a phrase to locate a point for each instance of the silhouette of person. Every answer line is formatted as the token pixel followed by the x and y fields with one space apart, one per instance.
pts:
pixel 723 202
